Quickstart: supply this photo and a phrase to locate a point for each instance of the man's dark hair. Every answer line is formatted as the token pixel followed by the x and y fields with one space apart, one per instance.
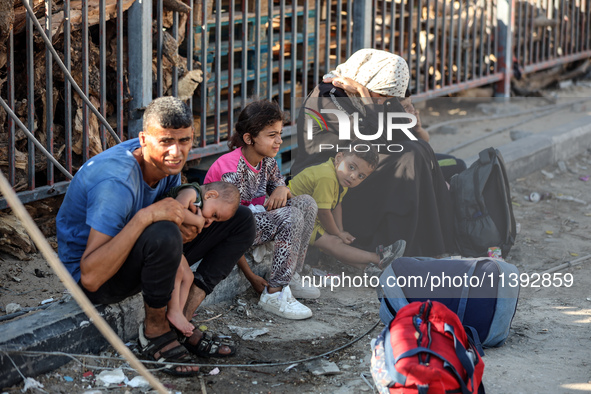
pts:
pixel 168 112
pixel 228 192
pixel 360 150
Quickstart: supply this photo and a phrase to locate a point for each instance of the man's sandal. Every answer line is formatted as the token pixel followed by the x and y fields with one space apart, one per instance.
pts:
pixel 151 348
pixel 208 346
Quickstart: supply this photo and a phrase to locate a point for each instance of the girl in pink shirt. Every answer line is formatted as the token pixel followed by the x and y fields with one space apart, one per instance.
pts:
pixel 287 220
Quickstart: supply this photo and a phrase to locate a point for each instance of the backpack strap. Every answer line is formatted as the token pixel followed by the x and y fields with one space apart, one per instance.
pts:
pixel 511 225
pixel 394 294
pixel 474 339
pixel 482 173
pixel 485 155
pixel 461 351
pixel 396 376
pixel 466 292
pixel 463 355
pixel 423 388
pixel 446 364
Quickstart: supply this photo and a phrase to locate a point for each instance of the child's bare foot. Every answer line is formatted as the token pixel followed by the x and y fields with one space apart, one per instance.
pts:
pixel 180 322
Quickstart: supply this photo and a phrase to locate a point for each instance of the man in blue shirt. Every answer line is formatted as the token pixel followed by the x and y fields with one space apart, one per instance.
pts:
pixel 117 236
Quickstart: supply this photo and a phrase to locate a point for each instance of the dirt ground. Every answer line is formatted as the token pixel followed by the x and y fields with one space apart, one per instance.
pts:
pixel 547 349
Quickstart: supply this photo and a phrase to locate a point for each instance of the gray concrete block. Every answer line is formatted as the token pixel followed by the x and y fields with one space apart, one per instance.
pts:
pixel 447 130
pixel 532 153
pixel 519 134
pixel 63 327
pixel 527 155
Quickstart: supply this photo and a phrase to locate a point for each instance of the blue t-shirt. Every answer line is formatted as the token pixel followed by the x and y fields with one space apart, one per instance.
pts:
pixel 106 192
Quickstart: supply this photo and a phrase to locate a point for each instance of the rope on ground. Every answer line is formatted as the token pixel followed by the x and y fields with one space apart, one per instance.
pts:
pixel 71 355
pixel 568 264
pixel 57 266
pixel 58 60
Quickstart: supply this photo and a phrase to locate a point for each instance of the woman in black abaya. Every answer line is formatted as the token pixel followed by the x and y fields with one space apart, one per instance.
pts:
pixel 406 197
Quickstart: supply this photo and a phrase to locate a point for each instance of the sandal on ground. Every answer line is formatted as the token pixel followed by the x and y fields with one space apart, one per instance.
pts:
pixel 208 346
pixel 150 347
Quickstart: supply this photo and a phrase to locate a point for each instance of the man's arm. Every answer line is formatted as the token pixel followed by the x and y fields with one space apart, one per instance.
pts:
pixel 104 255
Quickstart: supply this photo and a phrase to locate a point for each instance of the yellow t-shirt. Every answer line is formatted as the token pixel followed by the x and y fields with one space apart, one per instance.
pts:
pixel 321 183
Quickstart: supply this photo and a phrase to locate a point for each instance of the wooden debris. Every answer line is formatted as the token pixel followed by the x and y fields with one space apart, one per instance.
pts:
pixel 170 48
pixel 57 18
pixel 531 84
pixel 542 21
pixel 188 83
pixel 14 239
pixel 176 5
pixel 20 14
pixel 6 20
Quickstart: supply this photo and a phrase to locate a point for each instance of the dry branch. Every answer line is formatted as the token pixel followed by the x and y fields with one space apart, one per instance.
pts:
pixel 13 237
pixel 176 5
pixel 20 14
pixel 57 18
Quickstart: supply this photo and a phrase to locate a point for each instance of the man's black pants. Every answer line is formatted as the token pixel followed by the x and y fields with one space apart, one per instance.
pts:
pixel 153 261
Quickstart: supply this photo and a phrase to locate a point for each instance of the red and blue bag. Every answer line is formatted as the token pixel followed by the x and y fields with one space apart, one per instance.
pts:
pixel 425 350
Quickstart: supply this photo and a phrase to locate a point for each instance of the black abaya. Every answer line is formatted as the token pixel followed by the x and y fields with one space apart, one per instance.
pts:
pixel 406 197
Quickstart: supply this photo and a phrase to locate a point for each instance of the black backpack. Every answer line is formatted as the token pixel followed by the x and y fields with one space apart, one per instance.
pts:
pixel 482 206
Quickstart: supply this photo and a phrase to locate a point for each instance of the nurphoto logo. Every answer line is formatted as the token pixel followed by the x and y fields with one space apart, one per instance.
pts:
pixel 387 125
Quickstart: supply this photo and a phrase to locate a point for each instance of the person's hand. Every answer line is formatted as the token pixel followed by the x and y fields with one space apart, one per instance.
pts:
pixel 348 85
pixel 190 231
pixel 346 237
pixel 258 283
pixel 167 209
pixel 419 130
pixel 187 197
pixel 278 199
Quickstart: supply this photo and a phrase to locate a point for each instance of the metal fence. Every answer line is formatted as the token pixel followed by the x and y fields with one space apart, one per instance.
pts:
pixel 124 53
pixel 449 46
pixel 548 33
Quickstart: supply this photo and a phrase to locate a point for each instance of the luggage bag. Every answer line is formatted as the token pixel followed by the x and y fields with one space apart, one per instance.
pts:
pixel 483 292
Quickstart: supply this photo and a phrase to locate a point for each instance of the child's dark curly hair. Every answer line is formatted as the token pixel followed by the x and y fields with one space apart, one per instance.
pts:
pixel 253 119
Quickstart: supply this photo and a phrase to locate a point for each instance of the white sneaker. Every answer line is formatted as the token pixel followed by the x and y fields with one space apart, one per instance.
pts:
pixel 305 291
pixel 283 304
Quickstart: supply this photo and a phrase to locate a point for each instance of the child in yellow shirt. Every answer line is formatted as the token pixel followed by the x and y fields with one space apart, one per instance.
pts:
pixel 328 183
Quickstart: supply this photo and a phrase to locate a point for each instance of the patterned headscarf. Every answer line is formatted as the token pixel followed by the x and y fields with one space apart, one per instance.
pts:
pixel 379 71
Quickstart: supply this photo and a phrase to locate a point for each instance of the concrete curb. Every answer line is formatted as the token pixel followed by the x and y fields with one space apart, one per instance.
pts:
pixel 532 153
pixel 62 327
